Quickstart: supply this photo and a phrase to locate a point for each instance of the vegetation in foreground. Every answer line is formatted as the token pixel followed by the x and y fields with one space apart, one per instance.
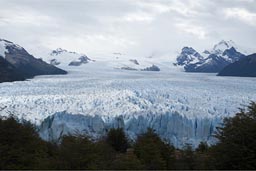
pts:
pixel 22 148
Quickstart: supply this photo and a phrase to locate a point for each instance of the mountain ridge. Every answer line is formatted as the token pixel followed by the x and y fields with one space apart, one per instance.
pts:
pixel 245 67
pixel 213 61
pixel 18 64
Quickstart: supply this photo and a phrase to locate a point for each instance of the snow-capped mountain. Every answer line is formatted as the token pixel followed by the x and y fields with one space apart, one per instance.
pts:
pixel 220 47
pixel 214 60
pixel 188 56
pixel 61 57
pixel 125 62
pixel 96 96
pixel 116 60
pixel 7 71
pixel 20 61
pixel 223 45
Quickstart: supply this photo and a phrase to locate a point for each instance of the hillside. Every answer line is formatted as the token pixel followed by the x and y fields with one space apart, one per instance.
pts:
pixel 245 67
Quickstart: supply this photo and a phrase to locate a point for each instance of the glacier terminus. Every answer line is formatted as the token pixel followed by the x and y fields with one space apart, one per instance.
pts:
pixel 181 107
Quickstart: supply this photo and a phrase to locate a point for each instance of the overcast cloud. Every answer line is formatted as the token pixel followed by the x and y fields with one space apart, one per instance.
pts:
pixel 133 27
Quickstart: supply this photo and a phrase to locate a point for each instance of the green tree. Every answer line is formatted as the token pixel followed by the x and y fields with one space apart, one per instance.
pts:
pixel 75 152
pixel 21 147
pixel 236 147
pixel 127 161
pixel 79 152
pixel 202 147
pixel 153 152
pixel 103 156
pixel 202 160
pixel 117 139
pixel 186 158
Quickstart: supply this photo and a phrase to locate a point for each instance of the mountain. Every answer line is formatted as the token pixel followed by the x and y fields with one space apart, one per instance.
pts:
pixel 151 68
pixel 62 57
pixel 245 67
pixel 211 64
pixel 18 64
pixel 212 61
pixel 188 56
pixel 8 72
pixel 97 97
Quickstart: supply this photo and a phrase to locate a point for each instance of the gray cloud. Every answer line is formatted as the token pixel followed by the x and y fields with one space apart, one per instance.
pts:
pixel 138 28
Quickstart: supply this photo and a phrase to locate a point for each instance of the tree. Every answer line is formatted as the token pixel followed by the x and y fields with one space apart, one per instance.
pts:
pixel 202 160
pixel 117 139
pixel 236 147
pixel 79 152
pixel 153 152
pixel 202 147
pixel 103 154
pixel 186 159
pixel 127 161
pixel 21 147
pixel 75 152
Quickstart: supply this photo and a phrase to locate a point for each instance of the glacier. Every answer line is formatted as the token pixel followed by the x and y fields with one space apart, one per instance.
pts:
pixel 171 126
pixel 181 107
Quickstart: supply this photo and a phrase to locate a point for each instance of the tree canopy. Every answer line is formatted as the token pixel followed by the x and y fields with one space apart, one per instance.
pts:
pixel 22 148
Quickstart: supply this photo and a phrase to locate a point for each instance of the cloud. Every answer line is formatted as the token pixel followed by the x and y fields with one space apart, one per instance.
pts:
pixel 137 17
pixel 136 28
pixel 25 17
pixel 197 31
pixel 241 14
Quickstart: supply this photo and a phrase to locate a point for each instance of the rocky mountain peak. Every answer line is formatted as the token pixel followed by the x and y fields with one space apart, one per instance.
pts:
pixel 59 51
pixel 188 50
pixel 222 54
pixel 188 55
pixel 7 46
pixel 220 47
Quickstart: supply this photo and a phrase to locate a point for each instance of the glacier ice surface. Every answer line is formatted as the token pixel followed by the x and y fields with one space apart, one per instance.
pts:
pixel 181 107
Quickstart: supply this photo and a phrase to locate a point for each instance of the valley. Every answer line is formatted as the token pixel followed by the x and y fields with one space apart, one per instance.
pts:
pixel 182 107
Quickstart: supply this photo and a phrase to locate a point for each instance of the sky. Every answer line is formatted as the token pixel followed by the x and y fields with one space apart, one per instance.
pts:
pixel 134 27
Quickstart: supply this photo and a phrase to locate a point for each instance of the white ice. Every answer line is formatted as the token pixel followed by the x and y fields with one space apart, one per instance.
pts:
pixel 98 89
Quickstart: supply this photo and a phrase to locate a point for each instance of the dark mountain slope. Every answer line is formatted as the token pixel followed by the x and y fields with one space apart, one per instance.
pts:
pixel 245 67
pixel 8 72
pixel 27 64
pixel 18 60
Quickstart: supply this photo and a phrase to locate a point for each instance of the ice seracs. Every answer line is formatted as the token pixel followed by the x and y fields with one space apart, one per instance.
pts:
pixel 172 127
pixel 180 107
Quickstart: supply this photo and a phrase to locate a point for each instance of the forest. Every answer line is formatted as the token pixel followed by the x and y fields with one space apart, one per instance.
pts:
pixel 22 148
